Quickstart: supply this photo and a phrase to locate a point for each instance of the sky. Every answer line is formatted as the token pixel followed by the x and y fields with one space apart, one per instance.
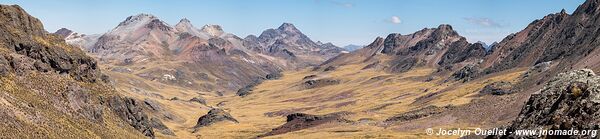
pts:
pixel 341 22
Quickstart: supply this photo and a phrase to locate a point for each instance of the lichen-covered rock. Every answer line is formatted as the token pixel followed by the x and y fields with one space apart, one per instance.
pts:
pixel 570 100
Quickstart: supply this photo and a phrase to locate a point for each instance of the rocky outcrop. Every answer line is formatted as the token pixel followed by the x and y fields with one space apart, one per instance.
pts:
pixel 213 116
pixel 567 40
pixel 248 88
pixel 497 88
pixel 28 47
pixel 63 32
pixel 198 100
pixel 417 114
pixel 300 121
pixel 156 124
pixel 310 84
pixel 130 111
pixel 466 73
pixel 570 100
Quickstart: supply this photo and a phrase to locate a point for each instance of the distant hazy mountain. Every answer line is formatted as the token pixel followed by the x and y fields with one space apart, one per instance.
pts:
pixel 289 43
pixel 486 46
pixel 353 47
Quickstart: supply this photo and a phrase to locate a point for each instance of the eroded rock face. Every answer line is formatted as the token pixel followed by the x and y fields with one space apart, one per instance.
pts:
pixel 569 101
pixel 130 111
pixel 213 116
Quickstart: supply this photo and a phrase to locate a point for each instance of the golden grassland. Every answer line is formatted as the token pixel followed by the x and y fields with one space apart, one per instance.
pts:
pixel 368 94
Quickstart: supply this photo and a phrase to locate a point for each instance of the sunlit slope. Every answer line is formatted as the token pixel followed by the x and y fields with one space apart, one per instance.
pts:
pixel 370 96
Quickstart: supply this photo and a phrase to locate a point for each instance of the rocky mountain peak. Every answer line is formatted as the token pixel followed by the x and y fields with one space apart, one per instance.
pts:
pixel 288 27
pixel 443 31
pixel 184 23
pixel 64 32
pixel 136 19
pixel 157 24
pixel 213 30
pixel 184 20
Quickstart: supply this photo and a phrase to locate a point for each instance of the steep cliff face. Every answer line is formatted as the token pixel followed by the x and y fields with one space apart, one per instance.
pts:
pixel 49 89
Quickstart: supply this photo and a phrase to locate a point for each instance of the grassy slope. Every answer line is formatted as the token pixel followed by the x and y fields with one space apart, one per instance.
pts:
pixel 33 107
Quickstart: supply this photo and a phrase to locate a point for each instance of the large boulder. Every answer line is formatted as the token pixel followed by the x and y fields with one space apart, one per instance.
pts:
pixel 497 88
pixel 213 116
pixel 299 121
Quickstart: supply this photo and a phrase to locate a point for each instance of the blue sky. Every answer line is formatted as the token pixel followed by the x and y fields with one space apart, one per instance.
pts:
pixel 342 22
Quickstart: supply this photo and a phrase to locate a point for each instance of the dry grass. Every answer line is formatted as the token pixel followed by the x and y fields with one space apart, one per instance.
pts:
pixel 359 92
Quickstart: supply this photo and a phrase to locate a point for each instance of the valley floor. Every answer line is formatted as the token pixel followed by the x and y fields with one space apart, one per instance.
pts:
pixel 366 97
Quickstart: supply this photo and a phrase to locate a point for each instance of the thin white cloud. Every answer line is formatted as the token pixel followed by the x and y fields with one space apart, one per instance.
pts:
pixel 394 20
pixel 338 3
pixel 484 22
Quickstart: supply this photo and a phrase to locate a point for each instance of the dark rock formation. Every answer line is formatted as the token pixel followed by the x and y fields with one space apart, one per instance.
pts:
pixel 198 100
pixel 309 77
pixel 33 48
pixel 130 111
pixel 329 68
pixel 460 51
pixel 300 121
pixel 213 116
pixel 160 127
pixel 466 73
pixel 497 88
pixel 63 32
pixel 319 83
pixel 417 114
pixel 273 76
pixel 248 88
pixel 568 101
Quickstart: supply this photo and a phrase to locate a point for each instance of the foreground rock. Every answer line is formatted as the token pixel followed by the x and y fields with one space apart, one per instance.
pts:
pixel 213 116
pixel 300 121
pixel 569 101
